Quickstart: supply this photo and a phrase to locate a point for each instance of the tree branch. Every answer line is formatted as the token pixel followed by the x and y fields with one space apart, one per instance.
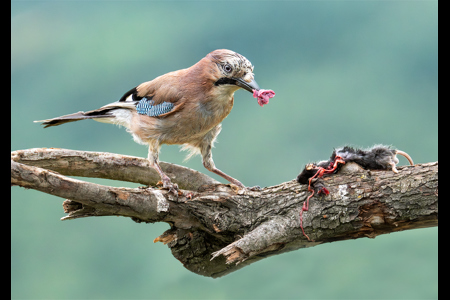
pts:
pixel 216 228
pixel 109 166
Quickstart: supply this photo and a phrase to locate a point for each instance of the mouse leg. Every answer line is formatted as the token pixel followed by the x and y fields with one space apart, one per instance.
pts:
pixel 394 168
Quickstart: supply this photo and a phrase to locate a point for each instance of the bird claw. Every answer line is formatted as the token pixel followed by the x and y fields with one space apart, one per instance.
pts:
pixel 255 188
pixel 168 185
pixel 172 187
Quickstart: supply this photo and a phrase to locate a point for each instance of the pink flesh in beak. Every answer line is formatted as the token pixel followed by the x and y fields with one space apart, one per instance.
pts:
pixel 263 96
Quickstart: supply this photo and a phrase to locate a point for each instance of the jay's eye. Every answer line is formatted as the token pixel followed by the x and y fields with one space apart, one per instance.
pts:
pixel 227 68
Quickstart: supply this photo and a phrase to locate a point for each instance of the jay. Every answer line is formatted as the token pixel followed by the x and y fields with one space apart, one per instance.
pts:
pixel 184 107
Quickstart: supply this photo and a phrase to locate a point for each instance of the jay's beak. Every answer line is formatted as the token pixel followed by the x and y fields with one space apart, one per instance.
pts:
pixel 248 86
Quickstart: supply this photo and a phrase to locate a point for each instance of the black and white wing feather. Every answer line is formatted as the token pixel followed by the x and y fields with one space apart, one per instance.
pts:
pixel 117 112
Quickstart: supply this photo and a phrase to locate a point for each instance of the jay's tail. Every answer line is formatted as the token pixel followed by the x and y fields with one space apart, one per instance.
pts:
pixel 74 117
pixel 101 114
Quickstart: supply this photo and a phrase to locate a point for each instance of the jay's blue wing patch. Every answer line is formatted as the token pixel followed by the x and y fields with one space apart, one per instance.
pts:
pixel 147 107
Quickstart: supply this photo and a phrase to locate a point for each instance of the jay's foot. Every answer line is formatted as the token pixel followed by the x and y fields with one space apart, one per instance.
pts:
pixel 255 188
pixel 168 185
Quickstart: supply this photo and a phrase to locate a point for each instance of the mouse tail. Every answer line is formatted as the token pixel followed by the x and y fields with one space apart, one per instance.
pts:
pixel 405 155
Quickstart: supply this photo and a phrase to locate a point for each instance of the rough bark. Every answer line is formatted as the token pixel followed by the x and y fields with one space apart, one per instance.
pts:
pixel 216 228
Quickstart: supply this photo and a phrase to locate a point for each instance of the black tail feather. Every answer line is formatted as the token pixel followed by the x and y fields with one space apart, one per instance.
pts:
pixel 94 114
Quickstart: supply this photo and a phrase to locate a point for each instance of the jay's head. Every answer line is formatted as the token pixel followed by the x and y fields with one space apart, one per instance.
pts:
pixel 232 71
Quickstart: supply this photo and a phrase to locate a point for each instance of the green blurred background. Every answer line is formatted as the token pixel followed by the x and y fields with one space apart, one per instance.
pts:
pixel 344 72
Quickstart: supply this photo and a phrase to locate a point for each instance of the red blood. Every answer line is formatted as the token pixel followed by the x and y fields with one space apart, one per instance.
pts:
pixel 263 96
pixel 324 191
pixel 320 172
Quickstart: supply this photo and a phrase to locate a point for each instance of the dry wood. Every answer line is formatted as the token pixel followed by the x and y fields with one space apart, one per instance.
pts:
pixel 216 228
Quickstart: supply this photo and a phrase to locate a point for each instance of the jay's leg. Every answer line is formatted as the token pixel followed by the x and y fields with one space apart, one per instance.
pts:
pixel 153 158
pixel 209 164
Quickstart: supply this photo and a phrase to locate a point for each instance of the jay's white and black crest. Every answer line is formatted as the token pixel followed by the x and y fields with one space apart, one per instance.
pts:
pixel 183 107
pixel 235 69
